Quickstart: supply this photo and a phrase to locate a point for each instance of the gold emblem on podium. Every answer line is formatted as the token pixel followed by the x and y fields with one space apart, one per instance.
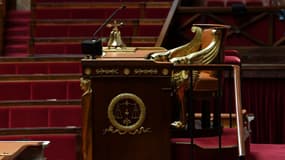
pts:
pixel 126 113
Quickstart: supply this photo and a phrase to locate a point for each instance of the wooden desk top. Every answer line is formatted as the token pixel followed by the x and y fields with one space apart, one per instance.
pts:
pixel 138 52
pixel 11 148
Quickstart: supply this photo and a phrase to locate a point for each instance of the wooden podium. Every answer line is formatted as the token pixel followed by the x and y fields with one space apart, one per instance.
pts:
pixel 126 107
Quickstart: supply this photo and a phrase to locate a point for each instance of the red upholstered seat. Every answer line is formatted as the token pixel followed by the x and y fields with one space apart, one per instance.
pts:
pixel 253 3
pixel 232 57
pixel 64 68
pixel 32 68
pixel 57 48
pixel 73 90
pixel 59 116
pixel 15 91
pixel 28 117
pixel 7 68
pixel 49 90
pixel 215 3
pixel 229 3
pixel 40 116
pixel 232 60
pixel 51 30
pixel 4 117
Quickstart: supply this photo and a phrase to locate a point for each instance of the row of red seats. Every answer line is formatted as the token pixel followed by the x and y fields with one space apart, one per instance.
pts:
pixel 64 144
pixel 74 48
pixel 77 12
pixel 40 90
pixel 68 67
pixel 86 29
pixel 40 116
pixel 99 0
pixel 229 3
pixel 59 28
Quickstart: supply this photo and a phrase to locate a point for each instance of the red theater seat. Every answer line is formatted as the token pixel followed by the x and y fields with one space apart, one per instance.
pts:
pixel 4 117
pixel 7 68
pixel 73 90
pixel 64 67
pixel 40 116
pixel 229 3
pixel 57 48
pixel 232 57
pixel 51 30
pixel 32 68
pixel 61 116
pixel 49 90
pixel 253 3
pixel 217 3
pixel 28 117
pixel 15 91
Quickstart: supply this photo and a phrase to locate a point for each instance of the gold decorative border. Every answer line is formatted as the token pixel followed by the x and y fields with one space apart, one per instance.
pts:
pixel 111 116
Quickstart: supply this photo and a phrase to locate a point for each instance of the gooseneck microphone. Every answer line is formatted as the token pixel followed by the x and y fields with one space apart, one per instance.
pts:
pixel 93 47
pixel 107 21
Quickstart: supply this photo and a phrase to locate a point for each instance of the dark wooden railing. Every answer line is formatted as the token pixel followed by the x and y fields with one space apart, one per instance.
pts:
pixel 2 16
pixel 235 73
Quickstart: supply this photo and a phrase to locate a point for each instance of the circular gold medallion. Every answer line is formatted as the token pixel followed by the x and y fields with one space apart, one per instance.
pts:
pixel 126 112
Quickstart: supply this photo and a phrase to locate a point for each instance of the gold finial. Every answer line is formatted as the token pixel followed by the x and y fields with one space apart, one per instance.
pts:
pixel 115 40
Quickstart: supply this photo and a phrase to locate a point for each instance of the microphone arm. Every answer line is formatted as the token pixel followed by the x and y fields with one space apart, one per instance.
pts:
pixel 107 20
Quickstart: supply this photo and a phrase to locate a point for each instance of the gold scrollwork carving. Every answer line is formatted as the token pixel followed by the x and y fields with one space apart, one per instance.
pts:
pixel 126 113
pixel 138 131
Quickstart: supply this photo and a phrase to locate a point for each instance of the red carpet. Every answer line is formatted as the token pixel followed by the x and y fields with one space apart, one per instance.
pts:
pixel 267 151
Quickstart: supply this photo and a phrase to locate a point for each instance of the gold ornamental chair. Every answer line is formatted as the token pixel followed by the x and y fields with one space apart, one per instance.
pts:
pixel 204 48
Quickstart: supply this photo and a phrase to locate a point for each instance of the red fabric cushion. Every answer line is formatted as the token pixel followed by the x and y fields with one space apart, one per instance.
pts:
pixel 232 60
